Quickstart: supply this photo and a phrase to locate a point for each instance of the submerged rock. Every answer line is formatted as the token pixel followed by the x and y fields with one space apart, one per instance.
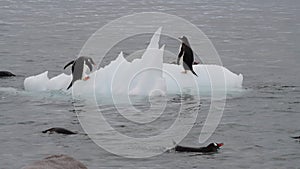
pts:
pixel 56 162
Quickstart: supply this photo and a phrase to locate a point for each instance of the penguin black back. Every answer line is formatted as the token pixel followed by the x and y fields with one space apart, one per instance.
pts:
pixel 212 147
pixel 6 74
pixel 59 130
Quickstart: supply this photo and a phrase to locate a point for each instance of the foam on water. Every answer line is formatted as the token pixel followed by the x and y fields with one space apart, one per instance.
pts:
pixel 145 76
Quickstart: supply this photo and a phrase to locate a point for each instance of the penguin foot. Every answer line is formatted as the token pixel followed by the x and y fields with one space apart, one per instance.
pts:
pixel 185 72
pixel 86 78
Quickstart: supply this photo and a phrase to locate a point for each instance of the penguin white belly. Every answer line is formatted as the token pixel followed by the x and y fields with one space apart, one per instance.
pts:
pixel 85 71
pixel 181 59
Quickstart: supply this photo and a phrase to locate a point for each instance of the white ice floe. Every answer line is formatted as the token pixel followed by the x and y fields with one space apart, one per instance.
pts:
pixel 145 76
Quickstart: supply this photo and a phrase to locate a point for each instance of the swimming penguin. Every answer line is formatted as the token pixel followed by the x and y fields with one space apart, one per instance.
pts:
pixel 6 74
pixel 296 137
pixel 58 130
pixel 187 55
pixel 211 148
pixel 80 67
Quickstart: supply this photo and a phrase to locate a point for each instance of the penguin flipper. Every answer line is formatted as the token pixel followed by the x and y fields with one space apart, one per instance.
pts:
pixel 70 63
pixel 194 72
pixel 71 84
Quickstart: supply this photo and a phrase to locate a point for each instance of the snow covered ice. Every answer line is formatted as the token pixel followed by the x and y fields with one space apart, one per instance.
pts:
pixel 145 76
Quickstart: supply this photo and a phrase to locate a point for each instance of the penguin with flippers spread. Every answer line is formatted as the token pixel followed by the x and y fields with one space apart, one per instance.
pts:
pixel 80 67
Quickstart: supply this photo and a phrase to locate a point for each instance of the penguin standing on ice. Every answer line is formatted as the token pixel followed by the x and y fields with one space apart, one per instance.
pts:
pixel 80 67
pixel 187 55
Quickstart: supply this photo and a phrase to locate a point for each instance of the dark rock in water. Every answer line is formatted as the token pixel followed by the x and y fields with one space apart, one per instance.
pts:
pixel 212 147
pixel 56 162
pixel 6 74
pixel 59 130
pixel 296 137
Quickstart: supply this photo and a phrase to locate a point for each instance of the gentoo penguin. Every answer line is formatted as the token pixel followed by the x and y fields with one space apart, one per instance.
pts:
pixel 58 130
pixel 211 148
pixel 296 137
pixel 6 74
pixel 80 67
pixel 187 55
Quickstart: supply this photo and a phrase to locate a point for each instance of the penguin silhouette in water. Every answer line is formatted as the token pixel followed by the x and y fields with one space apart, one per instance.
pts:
pixel 211 148
pixel 59 130
pixel 6 74
pixel 187 55
pixel 80 67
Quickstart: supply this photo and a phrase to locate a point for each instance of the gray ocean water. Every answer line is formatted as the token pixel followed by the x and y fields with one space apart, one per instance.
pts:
pixel 258 38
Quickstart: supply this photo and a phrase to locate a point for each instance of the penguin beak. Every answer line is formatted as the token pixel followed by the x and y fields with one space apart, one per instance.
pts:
pixel 220 144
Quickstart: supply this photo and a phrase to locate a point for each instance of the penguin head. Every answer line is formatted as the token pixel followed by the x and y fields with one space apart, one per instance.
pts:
pixel 215 145
pixel 90 60
pixel 184 40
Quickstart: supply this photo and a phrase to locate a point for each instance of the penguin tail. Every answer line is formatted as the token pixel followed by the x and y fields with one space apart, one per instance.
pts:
pixel 71 84
pixel 194 72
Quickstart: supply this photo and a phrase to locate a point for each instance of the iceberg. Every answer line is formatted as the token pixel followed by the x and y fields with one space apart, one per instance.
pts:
pixel 146 76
